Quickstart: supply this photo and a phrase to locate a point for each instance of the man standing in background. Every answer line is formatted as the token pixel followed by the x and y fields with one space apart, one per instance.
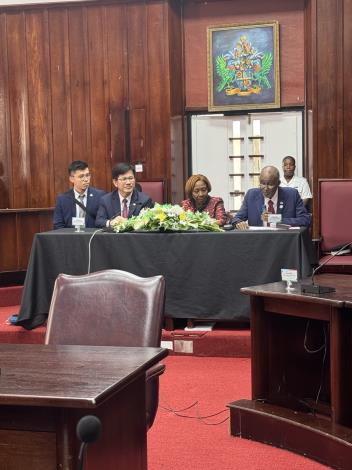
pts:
pixel 80 201
pixel 297 182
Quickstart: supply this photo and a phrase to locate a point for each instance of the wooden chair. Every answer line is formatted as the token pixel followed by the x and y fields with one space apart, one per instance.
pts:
pixel 335 197
pixel 155 188
pixel 110 308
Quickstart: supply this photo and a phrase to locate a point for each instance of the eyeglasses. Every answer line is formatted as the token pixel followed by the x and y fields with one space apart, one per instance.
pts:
pixel 125 179
pixel 84 177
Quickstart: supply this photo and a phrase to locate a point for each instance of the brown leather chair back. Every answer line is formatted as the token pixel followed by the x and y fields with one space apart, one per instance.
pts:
pixel 107 308
pixel 156 189
pixel 110 308
pixel 335 223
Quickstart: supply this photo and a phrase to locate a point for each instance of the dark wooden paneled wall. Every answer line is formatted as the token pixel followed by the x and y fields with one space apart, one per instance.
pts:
pixel 328 92
pixel 17 231
pixel 85 82
pixel 95 81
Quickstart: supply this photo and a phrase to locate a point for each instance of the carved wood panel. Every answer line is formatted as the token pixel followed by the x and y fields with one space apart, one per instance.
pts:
pixel 89 81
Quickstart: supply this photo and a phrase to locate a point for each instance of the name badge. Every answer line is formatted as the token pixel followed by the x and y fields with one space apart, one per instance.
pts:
pixel 78 222
pixel 289 275
pixel 274 218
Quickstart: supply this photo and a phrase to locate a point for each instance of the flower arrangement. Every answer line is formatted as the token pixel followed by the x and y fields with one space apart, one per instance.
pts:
pixel 168 218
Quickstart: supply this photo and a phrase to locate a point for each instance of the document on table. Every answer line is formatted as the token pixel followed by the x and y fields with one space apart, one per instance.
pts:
pixel 251 227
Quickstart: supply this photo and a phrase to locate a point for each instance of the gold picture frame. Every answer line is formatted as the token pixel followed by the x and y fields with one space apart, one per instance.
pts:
pixel 243 66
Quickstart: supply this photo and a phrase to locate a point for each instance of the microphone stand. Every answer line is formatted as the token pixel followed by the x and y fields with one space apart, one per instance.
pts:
pixel 81 455
pixel 315 288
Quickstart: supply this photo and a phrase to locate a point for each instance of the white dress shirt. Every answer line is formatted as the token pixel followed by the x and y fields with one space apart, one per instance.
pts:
pixel 84 201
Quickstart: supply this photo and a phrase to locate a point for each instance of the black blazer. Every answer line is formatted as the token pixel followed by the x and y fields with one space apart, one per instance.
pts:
pixel 110 206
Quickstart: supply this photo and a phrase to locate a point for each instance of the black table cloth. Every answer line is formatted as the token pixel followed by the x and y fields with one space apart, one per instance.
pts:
pixel 203 271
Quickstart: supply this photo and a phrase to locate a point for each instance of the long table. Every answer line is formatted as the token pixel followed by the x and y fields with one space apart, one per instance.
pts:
pixel 203 271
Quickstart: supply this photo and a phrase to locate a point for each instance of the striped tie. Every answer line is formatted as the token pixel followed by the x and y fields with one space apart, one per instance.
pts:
pixel 81 212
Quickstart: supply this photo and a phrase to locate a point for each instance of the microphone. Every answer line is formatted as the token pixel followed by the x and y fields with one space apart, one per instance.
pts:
pixel 264 210
pixel 88 430
pixel 316 289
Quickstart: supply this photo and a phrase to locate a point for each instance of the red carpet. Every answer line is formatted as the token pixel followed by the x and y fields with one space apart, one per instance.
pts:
pixel 10 296
pixel 16 334
pixel 177 443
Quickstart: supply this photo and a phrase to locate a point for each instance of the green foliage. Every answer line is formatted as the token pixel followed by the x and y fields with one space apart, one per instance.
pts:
pixel 226 75
pixel 261 76
pixel 162 218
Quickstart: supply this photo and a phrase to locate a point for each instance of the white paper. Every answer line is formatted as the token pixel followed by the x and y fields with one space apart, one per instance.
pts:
pixel 78 221
pixel 251 227
pixel 289 275
pixel 274 218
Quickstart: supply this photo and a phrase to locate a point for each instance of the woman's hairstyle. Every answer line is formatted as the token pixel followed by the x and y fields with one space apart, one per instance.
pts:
pixel 191 182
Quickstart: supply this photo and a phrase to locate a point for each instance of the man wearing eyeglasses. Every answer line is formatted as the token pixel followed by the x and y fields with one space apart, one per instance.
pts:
pixel 268 199
pixel 80 201
pixel 125 201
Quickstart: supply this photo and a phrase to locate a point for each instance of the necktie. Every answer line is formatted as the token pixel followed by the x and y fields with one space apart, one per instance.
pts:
pixel 81 212
pixel 271 207
pixel 124 209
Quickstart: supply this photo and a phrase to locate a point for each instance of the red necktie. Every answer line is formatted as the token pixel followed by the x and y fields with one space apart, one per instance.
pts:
pixel 271 207
pixel 125 209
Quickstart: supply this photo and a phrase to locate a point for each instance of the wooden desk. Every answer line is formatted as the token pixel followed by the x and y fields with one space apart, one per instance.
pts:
pixel 301 401
pixel 45 390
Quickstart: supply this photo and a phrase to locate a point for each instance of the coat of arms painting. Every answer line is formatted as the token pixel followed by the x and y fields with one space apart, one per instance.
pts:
pixel 243 67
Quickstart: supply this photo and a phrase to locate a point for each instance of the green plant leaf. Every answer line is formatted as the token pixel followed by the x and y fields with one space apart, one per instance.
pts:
pixel 166 217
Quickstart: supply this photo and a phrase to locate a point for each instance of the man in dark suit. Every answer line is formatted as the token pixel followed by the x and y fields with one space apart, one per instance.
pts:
pixel 125 201
pixel 269 198
pixel 89 198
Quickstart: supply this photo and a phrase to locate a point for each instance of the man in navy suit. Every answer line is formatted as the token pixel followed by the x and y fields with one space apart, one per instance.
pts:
pixel 66 206
pixel 125 200
pixel 269 198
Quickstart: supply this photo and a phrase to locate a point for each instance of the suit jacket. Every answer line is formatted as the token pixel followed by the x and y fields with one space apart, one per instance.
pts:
pixel 110 206
pixel 65 208
pixel 289 204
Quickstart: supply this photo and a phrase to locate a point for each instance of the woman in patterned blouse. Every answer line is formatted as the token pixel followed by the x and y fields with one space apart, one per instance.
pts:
pixel 197 191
